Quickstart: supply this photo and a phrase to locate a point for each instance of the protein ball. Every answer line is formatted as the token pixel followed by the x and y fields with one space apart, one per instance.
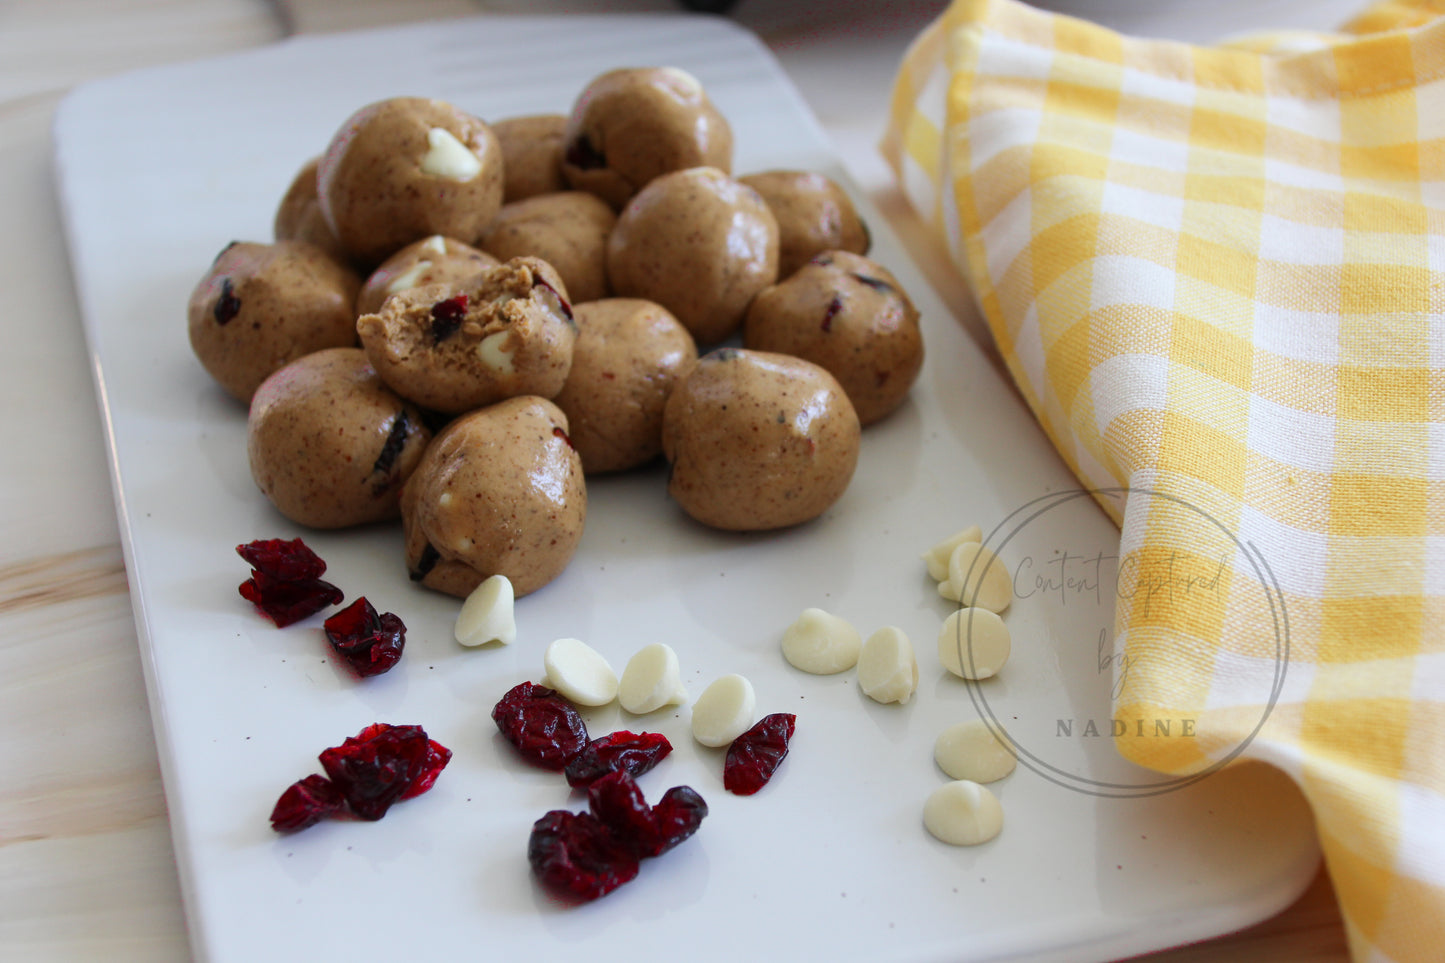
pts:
pixel 700 244
pixel 451 348
pixel 403 169
pixel 814 215
pixel 531 155
pixel 262 306
pixel 634 124
pixel 568 230
pixel 758 440
pixel 299 217
pixel 498 492
pixel 848 314
pixel 434 260
pixel 329 444
pixel 629 355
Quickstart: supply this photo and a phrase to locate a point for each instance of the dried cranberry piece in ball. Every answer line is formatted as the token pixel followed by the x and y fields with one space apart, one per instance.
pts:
pixel 370 643
pixel 286 561
pixel 543 726
pixel 677 815
pixel 631 752
pixel 285 602
pixel 380 766
pixel 305 803
pixel 575 855
pixel 755 755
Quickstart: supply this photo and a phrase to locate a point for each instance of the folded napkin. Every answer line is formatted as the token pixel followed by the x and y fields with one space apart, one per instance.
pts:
pixel 1217 275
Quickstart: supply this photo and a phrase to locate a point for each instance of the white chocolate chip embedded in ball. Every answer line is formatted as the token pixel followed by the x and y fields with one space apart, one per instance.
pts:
pixel 493 355
pixel 973 643
pixel 971 750
pixel 408 279
pixel 724 711
pixel 651 680
pixel 448 157
pixel 887 668
pixel 579 673
pixel 963 813
pixel 444 499
pixel 977 577
pixel 435 244
pixel 821 643
pixel 937 556
pixel 487 615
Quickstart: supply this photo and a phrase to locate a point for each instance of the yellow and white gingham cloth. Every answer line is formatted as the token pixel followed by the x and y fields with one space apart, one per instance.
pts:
pixel 1217 275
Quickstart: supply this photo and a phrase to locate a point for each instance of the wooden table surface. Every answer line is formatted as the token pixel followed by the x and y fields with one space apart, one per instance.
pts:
pixel 86 865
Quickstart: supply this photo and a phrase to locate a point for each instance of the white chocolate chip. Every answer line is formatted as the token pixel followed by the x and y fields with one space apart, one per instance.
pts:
pixel 963 813
pixel 977 577
pixel 684 80
pixel 436 244
pixel 724 711
pixel 408 279
pixel 821 643
pixel 579 672
pixel 651 680
pixel 448 157
pixel 487 615
pixel 971 750
pixel 937 556
pixel 444 499
pixel 973 643
pixel 464 544
pixel 887 668
pixel 493 355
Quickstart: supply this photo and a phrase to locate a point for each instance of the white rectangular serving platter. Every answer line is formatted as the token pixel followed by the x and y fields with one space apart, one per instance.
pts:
pixel 158 170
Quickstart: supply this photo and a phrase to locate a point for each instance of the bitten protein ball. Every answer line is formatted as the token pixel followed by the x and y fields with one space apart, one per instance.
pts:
pixel 758 440
pixel 329 444
pixel 568 230
pixel 698 243
pixel 261 306
pixel 850 315
pixel 498 492
pixel 400 170
pixel 638 123
pixel 814 215
pixel 629 355
pixel 434 260
pixel 451 348
pixel 531 155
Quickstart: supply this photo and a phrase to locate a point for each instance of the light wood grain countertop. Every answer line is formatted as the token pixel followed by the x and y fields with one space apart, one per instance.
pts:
pixel 86 864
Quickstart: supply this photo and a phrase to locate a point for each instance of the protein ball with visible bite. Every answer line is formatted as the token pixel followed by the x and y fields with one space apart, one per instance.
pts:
pixel 568 230
pixel 848 314
pixel 634 124
pixel 758 440
pixel 400 170
pixel 629 354
pixel 299 217
pixel 531 155
pixel 434 260
pixel 262 306
pixel 498 492
pixel 329 444
pixel 451 348
pixel 814 215
pixel 698 243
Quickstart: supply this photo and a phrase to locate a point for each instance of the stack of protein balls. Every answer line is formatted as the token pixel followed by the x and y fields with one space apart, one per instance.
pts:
pixel 535 294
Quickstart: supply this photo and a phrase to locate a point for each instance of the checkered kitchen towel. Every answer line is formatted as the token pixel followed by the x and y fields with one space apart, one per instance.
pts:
pixel 1218 277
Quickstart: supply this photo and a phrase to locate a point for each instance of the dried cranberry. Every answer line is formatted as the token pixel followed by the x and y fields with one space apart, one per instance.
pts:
pixel 543 726
pixel 834 306
pixel 428 561
pixel 227 305
pixel 282 560
pixel 877 284
pixel 370 643
pixel 617 802
pixel 382 765
pixel 677 815
pixel 558 432
pixel 285 602
pixel 447 317
pixel 755 755
pixel 582 155
pixel 631 752
pixel 391 449
pixel 306 803
pixel 574 854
